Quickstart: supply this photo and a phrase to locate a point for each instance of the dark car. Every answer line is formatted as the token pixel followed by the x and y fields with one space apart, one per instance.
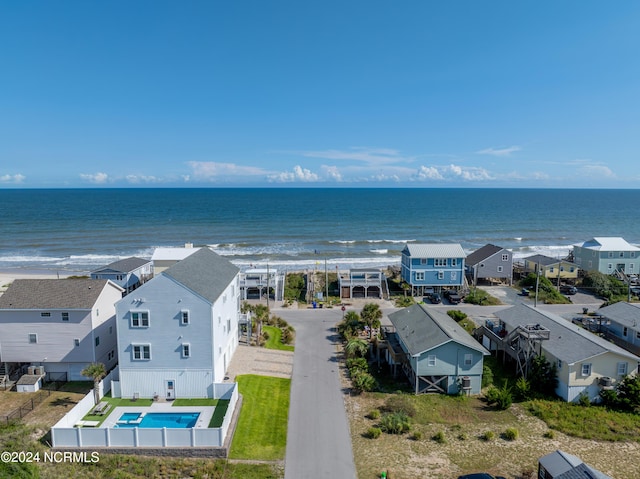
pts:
pixel 568 289
pixel 524 292
pixel 435 298
pixel 453 296
pixel 480 475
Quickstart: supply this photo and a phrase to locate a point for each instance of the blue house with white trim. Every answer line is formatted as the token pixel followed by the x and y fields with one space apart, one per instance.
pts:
pixel 435 265
pixel 178 332
pixel 435 352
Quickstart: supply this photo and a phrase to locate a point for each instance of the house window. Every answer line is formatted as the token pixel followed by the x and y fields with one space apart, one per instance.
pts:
pixel 632 254
pixel 140 319
pixel 45 315
pixel 119 277
pixel 110 329
pixel 76 342
pixel 423 260
pixel 637 334
pixel 454 276
pixel 551 269
pixel 610 254
pixel 97 341
pixel 33 338
pixel 186 350
pixel 586 369
pixel 65 316
pixel 228 325
pixel 630 265
pixel 419 276
pixel 610 266
pixel 622 369
pixel 559 364
pixel 184 317
pixel 468 359
pixel 505 257
pixel 440 274
pixel 439 262
pixel 454 261
pixel 141 352
pixel 589 264
pixel 624 331
pixel 622 254
pixel 571 270
pixel 561 268
pixel 499 269
pixel 431 360
pixel 224 298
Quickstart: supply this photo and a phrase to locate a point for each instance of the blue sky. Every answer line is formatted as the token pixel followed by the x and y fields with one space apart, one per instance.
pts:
pixel 320 93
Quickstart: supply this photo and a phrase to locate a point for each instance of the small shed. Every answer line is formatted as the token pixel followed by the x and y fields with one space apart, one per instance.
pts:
pixel 29 383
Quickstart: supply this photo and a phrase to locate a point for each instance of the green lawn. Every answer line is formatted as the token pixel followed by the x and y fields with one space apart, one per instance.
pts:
pixel 261 433
pixel 274 341
pixel 116 402
pixel 195 402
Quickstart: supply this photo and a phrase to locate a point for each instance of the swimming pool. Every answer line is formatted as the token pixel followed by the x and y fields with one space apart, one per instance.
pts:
pixel 181 420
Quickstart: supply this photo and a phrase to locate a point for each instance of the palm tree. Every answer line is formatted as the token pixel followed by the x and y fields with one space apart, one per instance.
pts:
pixel 356 348
pixel 405 287
pixel 371 315
pixel 350 325
pixel 262 314
pixel 95 371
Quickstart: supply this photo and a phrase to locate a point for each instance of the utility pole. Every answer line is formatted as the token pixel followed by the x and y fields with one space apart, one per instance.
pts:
pixel 326 281
pixel 267 285
pixel 535 300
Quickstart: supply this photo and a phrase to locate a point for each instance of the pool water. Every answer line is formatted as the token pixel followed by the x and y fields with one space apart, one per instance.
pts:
pixel 158 419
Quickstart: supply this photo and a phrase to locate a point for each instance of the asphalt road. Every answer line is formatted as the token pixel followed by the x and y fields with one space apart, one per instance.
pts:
pixel 318 437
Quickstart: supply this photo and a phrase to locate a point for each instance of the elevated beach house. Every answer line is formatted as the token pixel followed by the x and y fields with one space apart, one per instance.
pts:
pixel 607 255
pixel 178 332
pixel 552 268
pixel 128 273
pixel 622 322
pixel 435 352
pixel 562 465
pixel 433 265
pixel 490 262
pixel 362 283
pixel 59 326
pixel 585 362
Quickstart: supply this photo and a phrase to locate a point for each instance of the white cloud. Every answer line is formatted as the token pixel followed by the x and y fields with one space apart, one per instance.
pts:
pixel 370 156
pixel 142 179
pixel 17 178
pixel 597 171
pixel 298 174
pixel 332 173
pixel 211 170
pixel 452 172
pixel 97 178
pixel 429 173
pixel 499 151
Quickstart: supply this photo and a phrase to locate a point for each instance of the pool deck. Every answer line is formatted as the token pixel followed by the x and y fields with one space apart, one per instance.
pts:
pixel 206 412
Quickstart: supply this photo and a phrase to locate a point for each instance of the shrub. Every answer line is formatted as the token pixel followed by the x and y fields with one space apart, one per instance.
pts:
pixel 404 302
pixel 417 436
pixel 463 436
pixel 523 389
pixel 265 335
pixel 395 423
pixel 502 397
pixel 487 436
pixel 528 473
pixel 357 364
pixel 583 399
pixel 373 414
pixel 439 437
pixel 400 403
pixel 549 434
pixel 487 375
pixel 373 432
pixel 287 335
pixel 511 434
pixel 362 381
pixel 457 315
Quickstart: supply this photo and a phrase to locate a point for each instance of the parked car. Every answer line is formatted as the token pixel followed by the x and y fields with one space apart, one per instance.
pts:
pixel 568 289
pixel 453 296
pixel 435 298
pixel 524 292
pixel 480 475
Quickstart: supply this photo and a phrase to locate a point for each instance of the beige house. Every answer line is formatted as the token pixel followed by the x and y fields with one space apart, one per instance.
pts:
pixel 585 362
pixel 551 268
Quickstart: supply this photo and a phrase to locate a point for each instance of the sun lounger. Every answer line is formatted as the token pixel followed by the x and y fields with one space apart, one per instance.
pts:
pixel 87 423
pixel 101 408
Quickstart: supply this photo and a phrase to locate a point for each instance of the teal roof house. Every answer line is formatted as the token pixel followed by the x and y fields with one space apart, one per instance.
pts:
pixel 435 352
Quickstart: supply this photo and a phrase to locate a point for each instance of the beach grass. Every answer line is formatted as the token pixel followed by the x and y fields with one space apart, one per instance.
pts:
pixel 261 433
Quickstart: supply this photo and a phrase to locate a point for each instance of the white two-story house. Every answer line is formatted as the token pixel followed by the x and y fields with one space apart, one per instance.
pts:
pixel 59 324
pixel 178 332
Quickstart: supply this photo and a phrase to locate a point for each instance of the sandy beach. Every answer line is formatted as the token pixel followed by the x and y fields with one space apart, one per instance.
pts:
pixel 6 277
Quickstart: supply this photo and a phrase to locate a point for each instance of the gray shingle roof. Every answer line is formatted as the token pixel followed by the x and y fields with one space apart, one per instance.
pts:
pixel 435 250
pixel 568 342
pixel 124 265
pixel 204 272
pixel 543 260
pixel 422 330
pixel 53 293
pixel 562 465
pixel 623 313
pixel 482 254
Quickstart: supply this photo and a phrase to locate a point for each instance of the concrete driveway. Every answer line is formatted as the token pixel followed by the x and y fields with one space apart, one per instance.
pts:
pixel 318 436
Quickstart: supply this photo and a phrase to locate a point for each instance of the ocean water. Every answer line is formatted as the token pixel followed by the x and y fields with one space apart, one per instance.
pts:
pixel 78 230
